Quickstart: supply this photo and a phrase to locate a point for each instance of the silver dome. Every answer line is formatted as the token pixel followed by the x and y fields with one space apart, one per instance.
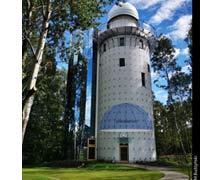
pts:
pixel 123 9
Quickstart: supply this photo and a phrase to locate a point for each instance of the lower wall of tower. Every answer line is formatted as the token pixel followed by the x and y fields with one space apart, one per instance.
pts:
pixel 140 144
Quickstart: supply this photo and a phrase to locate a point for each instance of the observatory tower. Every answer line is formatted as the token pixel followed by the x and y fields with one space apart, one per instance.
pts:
pixel 123 121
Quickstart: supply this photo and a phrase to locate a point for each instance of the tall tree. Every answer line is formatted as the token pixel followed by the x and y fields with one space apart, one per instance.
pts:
pixel 164 63
pixel 49 20
pixel 82 67
pixel 176 84
pixel 44 137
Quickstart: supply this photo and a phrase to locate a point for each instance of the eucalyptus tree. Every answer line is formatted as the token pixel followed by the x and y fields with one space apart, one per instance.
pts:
pixel 176 83
pixel 45 131
pixel 46 22
pixel 164 63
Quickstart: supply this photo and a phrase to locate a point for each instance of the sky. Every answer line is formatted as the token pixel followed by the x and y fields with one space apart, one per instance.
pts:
pixel 169 17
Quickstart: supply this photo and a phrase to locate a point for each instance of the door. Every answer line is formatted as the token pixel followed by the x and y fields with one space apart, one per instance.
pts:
pixel 123 153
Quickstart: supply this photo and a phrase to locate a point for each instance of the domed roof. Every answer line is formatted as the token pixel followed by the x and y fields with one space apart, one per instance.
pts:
pixel 123 9
pixel 126 116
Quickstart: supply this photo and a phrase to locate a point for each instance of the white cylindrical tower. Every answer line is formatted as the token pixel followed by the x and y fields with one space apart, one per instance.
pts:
pixel 124 107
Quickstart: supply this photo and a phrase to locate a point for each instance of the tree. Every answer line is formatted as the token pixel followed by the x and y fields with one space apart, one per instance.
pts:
pixel 164 64
pixel 44 139
pixel 82 79
pixel 177 85
pixel 48 21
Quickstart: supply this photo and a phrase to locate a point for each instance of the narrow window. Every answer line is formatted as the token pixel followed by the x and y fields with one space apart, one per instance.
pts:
pixel 113 43
pixel 148 67
pixel 121 41
pixel 141 44
pixel 122 62
pixel 104 48
pixel 143 79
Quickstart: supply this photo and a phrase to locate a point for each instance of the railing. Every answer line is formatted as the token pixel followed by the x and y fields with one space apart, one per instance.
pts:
pixel 144 26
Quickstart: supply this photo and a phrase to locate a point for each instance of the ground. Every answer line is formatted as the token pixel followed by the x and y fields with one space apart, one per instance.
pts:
pixel 93 171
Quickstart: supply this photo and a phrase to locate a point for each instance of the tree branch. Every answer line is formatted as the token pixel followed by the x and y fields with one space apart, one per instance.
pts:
pixel 43 8
pixel 32 49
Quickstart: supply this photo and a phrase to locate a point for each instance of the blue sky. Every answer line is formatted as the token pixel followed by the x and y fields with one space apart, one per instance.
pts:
pixel 169 17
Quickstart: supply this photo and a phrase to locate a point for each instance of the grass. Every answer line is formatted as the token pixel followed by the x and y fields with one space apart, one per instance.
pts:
pixel 93 171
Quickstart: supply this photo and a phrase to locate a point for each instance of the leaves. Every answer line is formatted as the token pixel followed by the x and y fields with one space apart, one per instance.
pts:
pixel 44 138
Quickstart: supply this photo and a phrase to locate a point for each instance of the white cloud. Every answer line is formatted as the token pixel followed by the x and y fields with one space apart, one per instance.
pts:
pixel 161 96
pixel 181 52
pixel 177 52
pixel 144 4
pixel 185 51
pixel 180 27
pixel 186 69
pixel 167 10
pixel 154 75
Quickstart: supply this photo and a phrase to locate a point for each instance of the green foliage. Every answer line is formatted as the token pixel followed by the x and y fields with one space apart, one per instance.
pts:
pixel 172 121
pixel 164 63
pixel 167 141
pixel 44 138
pixel 180 86
pixel 44 27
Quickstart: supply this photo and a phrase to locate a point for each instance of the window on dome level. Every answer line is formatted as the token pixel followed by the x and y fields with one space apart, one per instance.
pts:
pixel 104 47
pixel 143 79
pixel 148 67
pixel 122 62
pixel 121 41
pixel 141 44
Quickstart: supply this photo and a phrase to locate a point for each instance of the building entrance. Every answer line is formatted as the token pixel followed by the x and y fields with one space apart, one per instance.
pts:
pixel 123 150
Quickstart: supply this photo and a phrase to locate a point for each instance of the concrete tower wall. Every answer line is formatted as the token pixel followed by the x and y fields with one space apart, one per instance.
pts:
pixel 124 114
pixel 124 84
pixel 141 145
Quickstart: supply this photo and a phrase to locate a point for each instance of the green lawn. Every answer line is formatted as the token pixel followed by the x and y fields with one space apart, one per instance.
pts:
pixel 93 171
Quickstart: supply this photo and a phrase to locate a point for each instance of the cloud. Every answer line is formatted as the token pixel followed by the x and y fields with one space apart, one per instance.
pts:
pixel 154 75
pixel 144 4
pixel 177 52
pixel 180 27
pixel 167 10
pixel 161 96
pixel 186 69
pixel 181 52
pixel 185 51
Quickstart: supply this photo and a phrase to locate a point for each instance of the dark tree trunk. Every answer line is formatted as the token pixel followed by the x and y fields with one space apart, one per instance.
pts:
pixel 69 117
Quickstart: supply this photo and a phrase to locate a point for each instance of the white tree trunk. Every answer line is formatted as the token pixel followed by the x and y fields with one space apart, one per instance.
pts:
pixel 32 83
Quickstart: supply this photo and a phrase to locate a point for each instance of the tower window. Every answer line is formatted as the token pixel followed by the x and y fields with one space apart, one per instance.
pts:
pixel 122 62
pixel 148 67
pixel 104 47
pixel 141 44
pixel 121 41
pixel 143 79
